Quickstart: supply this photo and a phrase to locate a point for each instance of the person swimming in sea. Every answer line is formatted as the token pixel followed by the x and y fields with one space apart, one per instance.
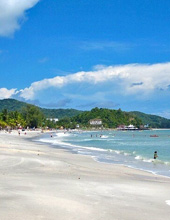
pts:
pixel 155 155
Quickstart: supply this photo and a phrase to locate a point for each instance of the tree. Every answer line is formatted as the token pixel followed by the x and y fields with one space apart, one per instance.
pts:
pixel 33 116
pixel 5 115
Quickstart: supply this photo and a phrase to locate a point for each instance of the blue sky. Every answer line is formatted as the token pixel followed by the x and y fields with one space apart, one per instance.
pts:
pixel 82 54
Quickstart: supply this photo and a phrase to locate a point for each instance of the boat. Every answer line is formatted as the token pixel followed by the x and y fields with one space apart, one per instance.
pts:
pixel 154 135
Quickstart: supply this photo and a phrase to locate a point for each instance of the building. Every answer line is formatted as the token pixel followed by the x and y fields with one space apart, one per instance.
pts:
pixel 129 127
pixel 53 119
pixel 121 127
pixel 95 122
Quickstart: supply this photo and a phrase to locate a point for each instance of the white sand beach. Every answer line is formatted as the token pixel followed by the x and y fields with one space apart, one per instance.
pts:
pixel 40 182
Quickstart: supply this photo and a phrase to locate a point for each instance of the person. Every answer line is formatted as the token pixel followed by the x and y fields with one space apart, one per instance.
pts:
pixel 155 155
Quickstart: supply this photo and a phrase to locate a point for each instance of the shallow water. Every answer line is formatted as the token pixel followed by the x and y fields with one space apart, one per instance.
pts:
pixel 131 148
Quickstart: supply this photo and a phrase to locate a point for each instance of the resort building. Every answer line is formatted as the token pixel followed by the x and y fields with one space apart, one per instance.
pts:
pixel 53 119
pixel 95 122
pixel 129 127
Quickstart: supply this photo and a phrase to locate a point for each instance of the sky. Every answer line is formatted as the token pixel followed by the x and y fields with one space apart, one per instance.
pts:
pixel 87 53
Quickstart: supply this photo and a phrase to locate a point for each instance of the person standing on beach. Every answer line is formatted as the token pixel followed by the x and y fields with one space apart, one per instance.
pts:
pixel 155 155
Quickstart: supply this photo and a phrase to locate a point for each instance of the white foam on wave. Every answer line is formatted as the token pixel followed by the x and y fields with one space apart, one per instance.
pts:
pixel 167 202
pixel 47 140
pixel 60 137
pixel 104 136
pixel 94 148
pixel 148 160
pixel 55 141
pixel 151 160
pixel 63 134
pixel 138 157
pixel 117 151
pixel 126 154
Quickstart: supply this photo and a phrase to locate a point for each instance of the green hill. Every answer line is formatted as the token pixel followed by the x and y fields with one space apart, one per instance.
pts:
pixel 110 118
pixel 154 121
pixel 15 105
pixel 11 105
pixel 60 113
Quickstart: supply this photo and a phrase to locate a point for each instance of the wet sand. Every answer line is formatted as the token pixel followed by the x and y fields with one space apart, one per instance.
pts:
pixel 40 182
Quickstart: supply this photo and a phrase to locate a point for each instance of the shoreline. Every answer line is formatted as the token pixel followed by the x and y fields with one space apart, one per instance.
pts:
pixel 39 182
pixel 58 146
pixel 134 161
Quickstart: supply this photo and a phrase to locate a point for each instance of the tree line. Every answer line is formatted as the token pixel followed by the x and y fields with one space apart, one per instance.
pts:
pixel 30 116
pixel 110 119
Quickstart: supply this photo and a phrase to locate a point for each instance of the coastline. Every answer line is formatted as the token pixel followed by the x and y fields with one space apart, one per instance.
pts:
pixel 40 182
pixel 129 157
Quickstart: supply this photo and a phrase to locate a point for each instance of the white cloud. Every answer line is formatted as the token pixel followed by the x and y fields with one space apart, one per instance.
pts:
pixel 5 93
pixel 131 78
pixel 11 14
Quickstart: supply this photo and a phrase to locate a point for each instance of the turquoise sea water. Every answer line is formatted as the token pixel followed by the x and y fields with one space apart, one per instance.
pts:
pixel 131 148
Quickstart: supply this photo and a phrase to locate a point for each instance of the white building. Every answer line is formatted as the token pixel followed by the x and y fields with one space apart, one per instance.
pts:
pixel 131 127
pixel 53 119
pixel 95 122
pixel 124 127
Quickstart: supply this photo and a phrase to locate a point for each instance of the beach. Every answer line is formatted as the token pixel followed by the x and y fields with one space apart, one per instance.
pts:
pixel 38 181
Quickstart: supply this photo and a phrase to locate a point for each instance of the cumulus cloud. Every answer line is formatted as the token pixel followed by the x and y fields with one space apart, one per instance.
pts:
pixel 131 79
pixel 5 93
pixel 12 13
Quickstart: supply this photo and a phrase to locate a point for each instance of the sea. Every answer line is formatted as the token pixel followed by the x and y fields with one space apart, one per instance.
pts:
pixel 133 149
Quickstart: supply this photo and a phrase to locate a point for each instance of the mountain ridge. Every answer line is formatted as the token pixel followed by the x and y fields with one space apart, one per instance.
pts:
pixel 14 105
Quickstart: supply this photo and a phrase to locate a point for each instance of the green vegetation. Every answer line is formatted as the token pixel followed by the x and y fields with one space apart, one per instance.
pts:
pixel 60 113
pixel 110 118
pixel 13 112
pixel 11 119
pixel 33 116
pixel 11 105
pixel 154 121
pixel 30 116
pixel 15 105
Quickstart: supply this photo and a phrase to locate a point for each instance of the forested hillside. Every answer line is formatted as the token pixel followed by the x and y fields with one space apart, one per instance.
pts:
pixel 154 121
pixel 60 113
pixel 15 105
pixel 11 105
pixel 110 118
